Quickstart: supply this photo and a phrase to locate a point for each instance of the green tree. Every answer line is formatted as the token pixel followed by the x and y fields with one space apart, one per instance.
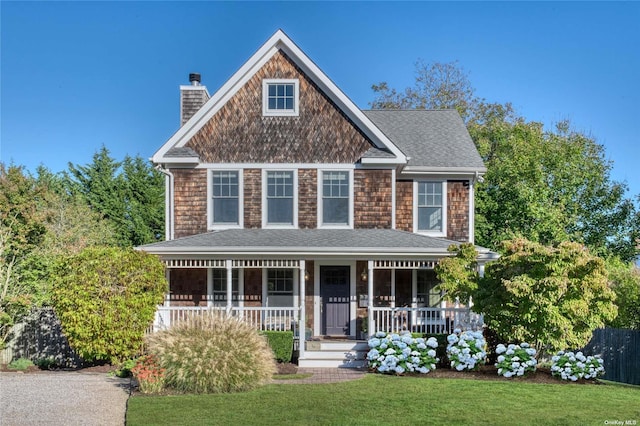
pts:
pixel 129 194
pixel 624 279
pixel 553 297
pixel 106 299
pixel 20 196
pixel 144 200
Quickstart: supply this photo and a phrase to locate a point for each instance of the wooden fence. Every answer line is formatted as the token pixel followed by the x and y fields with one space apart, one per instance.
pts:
pixel 620 350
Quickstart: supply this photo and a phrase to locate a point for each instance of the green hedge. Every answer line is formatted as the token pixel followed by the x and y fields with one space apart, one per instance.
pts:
pixel 281 343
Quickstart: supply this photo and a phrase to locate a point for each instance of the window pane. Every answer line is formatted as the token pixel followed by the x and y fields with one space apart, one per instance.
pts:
pixel 272 103
pixel 272 90
pixel 288 103
pixel 289 89
pixel 430 219
pixel 280 103
pixel 335 210
pixel 280 210
pixel 280 89
pixel 225 210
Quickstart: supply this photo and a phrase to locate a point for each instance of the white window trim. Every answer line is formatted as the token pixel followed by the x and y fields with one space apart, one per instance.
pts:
pixel 213 226
pixel 277 112
pixel 265 210
pixel 443 232
pixel 320 179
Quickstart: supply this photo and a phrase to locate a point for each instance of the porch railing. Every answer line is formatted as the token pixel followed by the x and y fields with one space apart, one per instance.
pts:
pixel 425 320
pixel 262 318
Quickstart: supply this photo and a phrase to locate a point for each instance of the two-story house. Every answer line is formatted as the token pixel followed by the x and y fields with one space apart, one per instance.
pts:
pixel 288 205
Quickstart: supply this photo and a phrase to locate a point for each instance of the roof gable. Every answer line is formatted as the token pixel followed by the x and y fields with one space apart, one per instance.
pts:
pixel 280 43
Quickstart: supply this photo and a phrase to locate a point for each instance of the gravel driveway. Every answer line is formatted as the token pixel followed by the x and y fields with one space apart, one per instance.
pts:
pixel 62 398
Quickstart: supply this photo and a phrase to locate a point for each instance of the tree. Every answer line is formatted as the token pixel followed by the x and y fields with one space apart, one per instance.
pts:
pixel 105 299
pixel 129 194
pixel 15 303
pixel 553 297
pixel 437 86
pixel 546 186
pixel 144 199
pixel 624 279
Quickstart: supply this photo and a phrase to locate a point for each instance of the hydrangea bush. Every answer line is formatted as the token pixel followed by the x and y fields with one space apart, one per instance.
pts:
pixel 515 360
pixel 401 353
pixel 466 349
pixel 570 366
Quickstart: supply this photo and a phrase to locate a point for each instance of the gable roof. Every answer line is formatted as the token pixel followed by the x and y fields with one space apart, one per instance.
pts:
pixel 431 139
pixel 280 41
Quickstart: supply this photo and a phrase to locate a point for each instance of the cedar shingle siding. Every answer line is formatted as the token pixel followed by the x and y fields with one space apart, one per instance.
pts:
pixel 372 199
pixel 252 198
pixel 190 186
pixel 457 210
pixel 308 198
pixel 404 205
pixel 188 287
pixel 239 133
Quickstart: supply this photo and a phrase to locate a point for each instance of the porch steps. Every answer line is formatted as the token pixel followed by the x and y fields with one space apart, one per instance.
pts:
pixel 335 354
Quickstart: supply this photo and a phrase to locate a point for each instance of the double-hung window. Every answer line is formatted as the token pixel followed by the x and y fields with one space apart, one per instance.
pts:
pixel 430 207
pixel 280 198
pixel 335 198
pixel 280 284
pixel 225 203
pixel 280 97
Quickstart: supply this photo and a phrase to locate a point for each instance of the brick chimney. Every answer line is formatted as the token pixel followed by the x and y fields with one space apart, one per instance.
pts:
pixel 192 97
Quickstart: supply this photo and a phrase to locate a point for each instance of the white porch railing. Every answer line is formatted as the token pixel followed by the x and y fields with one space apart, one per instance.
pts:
pixel 425 320
pixel 262 318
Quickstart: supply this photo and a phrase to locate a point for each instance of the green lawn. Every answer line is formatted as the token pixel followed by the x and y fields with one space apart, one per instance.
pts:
pixel 378 400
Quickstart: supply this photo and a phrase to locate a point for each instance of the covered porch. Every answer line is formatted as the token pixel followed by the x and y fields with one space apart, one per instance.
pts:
pixel 316 283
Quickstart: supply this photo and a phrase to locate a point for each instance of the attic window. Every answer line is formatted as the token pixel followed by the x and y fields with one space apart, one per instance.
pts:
pixel 280 97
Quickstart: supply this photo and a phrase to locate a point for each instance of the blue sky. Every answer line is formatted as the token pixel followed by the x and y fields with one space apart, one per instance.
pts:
pixel 77 75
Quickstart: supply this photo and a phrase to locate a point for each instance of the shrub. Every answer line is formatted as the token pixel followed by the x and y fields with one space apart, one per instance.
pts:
pixel 466 349
pixel 149 374
pixel 47 363
pixel 212 353
pixel 400 353
pixel 570 366
pixel 281 343
pixel 515 360
pixel 124 370
pixel 20 364
pixel 105 299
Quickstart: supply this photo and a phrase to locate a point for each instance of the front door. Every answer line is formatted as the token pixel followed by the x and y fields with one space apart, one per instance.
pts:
pixel 334 290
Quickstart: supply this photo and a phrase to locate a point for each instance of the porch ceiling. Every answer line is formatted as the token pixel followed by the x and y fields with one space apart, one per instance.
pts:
pixel 301 243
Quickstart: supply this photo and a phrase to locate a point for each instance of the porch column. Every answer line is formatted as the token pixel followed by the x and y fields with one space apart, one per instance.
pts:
pixel 393 288
pixel 302 319
pixel 370 295
pixel 229 265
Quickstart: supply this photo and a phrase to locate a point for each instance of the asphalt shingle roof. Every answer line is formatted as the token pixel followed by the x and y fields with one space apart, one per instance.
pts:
pixel 305 240
pixel 432 138
pixel 181 152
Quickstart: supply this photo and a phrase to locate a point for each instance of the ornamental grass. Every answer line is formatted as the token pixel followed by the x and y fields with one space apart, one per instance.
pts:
pixel 214 353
